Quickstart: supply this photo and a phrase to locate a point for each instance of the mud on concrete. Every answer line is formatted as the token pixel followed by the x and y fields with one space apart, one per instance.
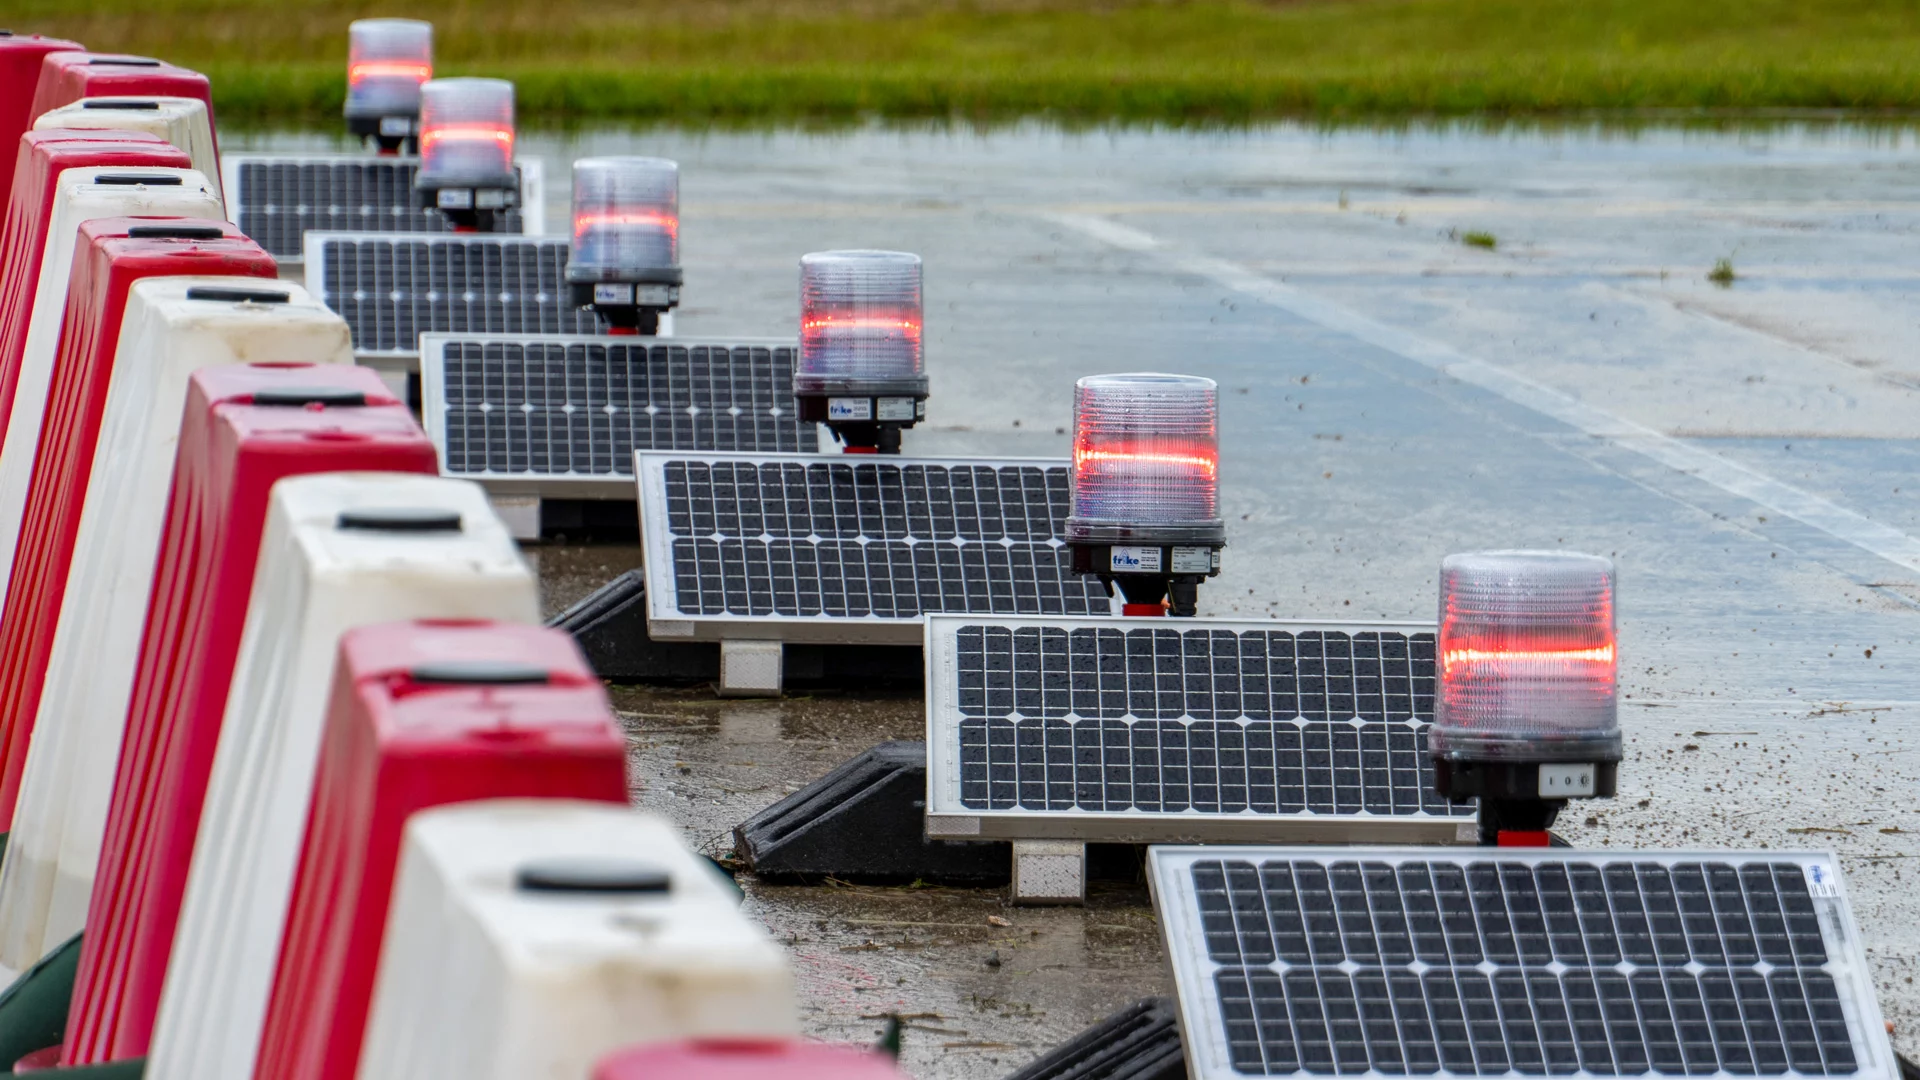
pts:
pixel 985 987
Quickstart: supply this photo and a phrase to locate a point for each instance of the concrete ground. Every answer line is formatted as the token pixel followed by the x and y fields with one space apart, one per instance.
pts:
pixel 1389 394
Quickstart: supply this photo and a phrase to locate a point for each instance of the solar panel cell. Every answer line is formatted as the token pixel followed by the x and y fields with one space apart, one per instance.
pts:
pixel 558 414
pixel 1402 963
pixel 392 289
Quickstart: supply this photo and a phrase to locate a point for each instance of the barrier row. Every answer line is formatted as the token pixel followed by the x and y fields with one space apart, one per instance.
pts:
pixel 293 782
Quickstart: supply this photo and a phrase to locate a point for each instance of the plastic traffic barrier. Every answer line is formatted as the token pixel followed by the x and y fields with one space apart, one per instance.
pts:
pixel 67 77
pixel 422 714
pixel 244 428
pixel 528 939
pixel 20 59
pixel 99 498
pixel 44 157
pixel 43 480
pixel 746 1059
pixel 340 551
pixel 180 121
pixel 80 196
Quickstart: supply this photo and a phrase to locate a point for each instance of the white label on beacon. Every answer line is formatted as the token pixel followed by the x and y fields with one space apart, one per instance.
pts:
pixel 1193 560
pixel 1136 560
pixel 1566 781
pixel 849 408
pixel 896 408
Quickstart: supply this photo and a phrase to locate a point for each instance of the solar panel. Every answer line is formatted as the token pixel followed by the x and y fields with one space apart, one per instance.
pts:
pixel 851 549
pixel 1543 961
pixel 391 288
pixel 1182 729
pixel 277 198
pixel 563 415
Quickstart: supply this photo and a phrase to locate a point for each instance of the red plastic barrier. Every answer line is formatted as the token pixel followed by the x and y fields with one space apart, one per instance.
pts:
pixel 107 260
pixel 423 714
pixel 44 155
pixel 745 1059
pixel 20 59
pixel 66 77
pixel 232 451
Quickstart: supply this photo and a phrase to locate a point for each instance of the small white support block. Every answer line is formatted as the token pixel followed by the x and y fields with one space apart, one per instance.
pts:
pixel 941 828
pixel 750 668
pixel 521 513
pixel 1049 872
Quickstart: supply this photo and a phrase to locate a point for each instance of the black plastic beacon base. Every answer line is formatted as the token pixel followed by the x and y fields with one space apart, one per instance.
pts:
pixel 610 627
pixel 1140 1042
pixel 1463 780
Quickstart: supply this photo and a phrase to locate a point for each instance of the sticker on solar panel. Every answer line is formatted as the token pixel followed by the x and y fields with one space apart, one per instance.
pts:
pixel 1548 962
pixel 392 288
pixel 1189 728
pixel 276 200
pixel 560 413
pixel 838 549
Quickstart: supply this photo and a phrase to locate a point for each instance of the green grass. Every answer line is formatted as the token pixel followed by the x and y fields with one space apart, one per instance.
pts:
pixel 1722 273
pixel 1485 240
pixel 1204 61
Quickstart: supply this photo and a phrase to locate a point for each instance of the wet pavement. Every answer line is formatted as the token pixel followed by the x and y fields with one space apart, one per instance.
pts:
pixel 1389 394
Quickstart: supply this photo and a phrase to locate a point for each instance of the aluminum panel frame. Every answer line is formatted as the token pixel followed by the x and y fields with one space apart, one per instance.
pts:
pixel 532 170
pixel 665 621
pixel 1203 1031
pixel 948 817
pixel 433 411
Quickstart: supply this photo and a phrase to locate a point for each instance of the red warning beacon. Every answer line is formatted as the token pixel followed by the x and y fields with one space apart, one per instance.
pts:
pixel 387 62
pixel 466 151
pixel 1146 487
pixel 625 260
pixel 861 368
pixel 1526 716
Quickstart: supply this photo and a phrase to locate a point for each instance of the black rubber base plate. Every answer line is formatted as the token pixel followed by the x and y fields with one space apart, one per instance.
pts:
pixel 1140 1042
pixel 866 821
pixel 611 629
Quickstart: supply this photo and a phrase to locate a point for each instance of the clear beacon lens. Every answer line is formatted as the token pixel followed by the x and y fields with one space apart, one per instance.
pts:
pixel 1146 458
pixel 387 61
pixel 860 320
pixel 626 214
pixel 466 132
pixel 1527 660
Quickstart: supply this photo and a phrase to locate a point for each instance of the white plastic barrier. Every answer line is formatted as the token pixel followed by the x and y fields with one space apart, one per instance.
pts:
pixel 180 121
pixel 340 550
pixel 493 967
pixel 61 814
pixel 78 198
